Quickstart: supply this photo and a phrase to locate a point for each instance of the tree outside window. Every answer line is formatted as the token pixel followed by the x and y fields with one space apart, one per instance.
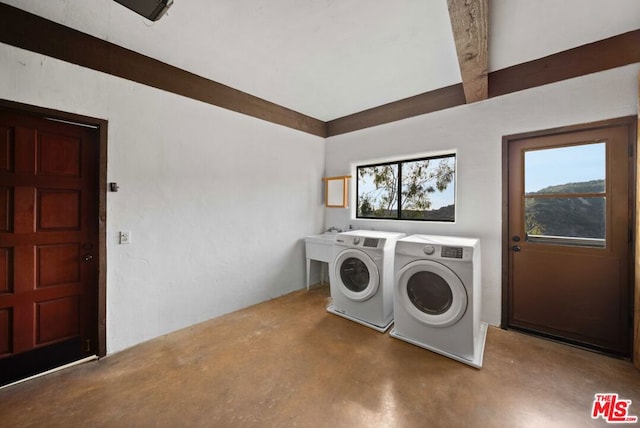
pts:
pixel 416 189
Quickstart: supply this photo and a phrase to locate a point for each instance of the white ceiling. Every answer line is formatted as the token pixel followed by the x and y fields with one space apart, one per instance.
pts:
pixel 331 58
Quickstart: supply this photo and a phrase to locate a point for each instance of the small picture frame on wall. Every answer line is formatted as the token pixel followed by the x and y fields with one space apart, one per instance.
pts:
pixel 336 191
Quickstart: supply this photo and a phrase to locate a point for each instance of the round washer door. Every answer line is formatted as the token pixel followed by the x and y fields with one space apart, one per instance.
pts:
pixel 356 274
pixel 431 292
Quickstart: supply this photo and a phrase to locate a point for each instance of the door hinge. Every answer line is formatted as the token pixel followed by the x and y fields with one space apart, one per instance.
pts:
pixel 87 345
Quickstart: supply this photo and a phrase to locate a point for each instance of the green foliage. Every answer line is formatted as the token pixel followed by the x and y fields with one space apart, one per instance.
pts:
pixel 385 180
pixel 567 216
pixel 592 186
pixel 419 180
pixel 531 214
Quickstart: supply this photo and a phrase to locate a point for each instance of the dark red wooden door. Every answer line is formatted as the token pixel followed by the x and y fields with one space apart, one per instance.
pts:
pixel 48 244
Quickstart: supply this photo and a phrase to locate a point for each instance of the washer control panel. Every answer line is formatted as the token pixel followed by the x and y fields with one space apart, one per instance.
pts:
pixel 370 242
pixel 364 241
pixel 429 250
pixel 451 252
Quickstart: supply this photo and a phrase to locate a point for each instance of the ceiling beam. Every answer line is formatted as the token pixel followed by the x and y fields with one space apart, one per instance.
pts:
pixel 27 31
pixel 428 102
pixel 617 51
pixel 470 23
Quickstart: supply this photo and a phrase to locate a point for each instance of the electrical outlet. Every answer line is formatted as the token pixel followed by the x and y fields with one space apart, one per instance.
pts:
pixel 125 237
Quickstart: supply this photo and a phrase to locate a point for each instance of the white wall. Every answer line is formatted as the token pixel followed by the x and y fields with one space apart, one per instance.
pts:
pixel 217 202
pixel 475 132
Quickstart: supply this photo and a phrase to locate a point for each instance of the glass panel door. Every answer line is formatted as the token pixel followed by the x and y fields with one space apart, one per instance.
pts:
pixel 565 195
pixel 568 236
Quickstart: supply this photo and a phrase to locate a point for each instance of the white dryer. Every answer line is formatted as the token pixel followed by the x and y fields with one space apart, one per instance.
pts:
pixel 437 296
pixel 361 277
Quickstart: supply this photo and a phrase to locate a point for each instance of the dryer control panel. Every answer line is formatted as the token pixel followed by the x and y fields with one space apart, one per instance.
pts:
pixel 451 252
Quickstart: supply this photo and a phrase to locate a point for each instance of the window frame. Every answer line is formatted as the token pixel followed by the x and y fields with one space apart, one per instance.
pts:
pixel 398 216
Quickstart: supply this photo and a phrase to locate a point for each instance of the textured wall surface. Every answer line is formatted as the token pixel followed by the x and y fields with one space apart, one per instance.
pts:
pixel 475 133
pixel 217 202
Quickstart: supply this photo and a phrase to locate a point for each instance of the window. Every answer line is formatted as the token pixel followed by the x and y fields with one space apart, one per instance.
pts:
pixel 565 195
pixel 415 189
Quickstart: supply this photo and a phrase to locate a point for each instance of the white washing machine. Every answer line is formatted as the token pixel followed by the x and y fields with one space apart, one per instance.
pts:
pixel 437 296
pixel 361 277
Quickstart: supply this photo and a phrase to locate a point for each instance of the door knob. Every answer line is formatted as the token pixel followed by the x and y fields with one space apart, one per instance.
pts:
pixel 88 257
pixel 516 248
pixel 516 238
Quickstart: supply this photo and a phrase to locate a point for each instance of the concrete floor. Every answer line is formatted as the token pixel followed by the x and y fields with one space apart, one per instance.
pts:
pixel 288 363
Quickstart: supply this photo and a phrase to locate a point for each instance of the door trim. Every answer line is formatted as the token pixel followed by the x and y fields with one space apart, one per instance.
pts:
pixel 631 122
pixel 636 310
pixel 101 126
